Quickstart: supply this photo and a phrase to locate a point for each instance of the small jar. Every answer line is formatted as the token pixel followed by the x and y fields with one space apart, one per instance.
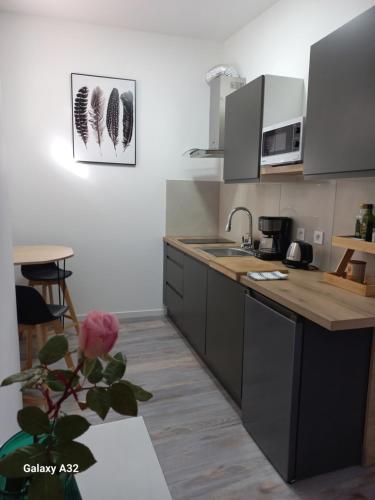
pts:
pixel 356 270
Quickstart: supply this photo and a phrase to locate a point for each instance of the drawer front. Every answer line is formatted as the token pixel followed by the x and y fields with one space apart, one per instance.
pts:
pixel 174 305
pixel 175 255
pixel 175 276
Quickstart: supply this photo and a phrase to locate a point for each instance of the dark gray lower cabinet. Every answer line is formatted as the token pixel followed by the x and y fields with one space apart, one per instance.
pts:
pixel 304 390
pixel 224 331
pixel 173 283
pixel 332 404
pixel 194 300
pixel 208 308
pixel 174 305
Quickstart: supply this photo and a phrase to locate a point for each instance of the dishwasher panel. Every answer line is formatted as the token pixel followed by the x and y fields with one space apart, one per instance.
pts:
pixel 271 373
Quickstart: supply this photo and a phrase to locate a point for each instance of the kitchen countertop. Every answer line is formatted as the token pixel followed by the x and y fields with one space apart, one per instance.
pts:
pixel 304 292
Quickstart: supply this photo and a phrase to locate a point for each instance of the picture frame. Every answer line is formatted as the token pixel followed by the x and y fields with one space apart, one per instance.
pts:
pixel 103 119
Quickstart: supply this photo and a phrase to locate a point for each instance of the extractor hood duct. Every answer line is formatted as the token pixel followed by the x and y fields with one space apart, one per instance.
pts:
pixel 222 80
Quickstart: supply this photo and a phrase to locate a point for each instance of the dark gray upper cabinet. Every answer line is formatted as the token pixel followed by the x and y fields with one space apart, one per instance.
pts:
pixel 243 125
pixel 340 120
pixel 267 100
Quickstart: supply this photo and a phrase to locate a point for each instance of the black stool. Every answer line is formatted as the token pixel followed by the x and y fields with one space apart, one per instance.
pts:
pixel 47 275
pixel 35 315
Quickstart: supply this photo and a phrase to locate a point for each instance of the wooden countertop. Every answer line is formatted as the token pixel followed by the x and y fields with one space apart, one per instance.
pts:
pixel 304 292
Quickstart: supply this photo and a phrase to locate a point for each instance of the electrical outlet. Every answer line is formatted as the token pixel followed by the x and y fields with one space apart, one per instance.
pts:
pixel 301 233
pixel 318 237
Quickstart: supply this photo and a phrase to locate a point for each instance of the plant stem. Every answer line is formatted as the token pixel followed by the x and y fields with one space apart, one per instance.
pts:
pixel 67 392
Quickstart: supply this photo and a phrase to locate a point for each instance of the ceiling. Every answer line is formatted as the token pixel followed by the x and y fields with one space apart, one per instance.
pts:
pixel 207 19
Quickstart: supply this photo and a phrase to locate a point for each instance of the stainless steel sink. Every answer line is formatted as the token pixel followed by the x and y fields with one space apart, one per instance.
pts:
pixel 204 241
pixel 228 252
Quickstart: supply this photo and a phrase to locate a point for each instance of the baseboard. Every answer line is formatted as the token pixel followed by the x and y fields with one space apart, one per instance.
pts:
pixel 146 313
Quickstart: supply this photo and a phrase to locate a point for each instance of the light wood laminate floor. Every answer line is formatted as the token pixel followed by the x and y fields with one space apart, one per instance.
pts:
pixel 203 449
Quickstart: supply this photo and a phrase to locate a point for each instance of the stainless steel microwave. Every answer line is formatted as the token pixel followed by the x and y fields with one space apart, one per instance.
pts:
pixel 283 142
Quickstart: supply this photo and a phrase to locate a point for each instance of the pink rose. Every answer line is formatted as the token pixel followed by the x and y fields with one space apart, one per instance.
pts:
pixel 98 334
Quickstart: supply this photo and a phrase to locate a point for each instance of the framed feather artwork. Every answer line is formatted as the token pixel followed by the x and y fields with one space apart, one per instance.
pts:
pixel 103 116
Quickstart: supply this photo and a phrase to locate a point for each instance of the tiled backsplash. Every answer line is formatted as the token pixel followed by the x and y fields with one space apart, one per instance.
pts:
pixel 192 208
pixel 202 208
pixel 329 206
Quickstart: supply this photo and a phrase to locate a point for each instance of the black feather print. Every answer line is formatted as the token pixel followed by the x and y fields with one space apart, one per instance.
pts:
pixel 80 114
pixel 127 118
pixel 97 113
pixel 113 115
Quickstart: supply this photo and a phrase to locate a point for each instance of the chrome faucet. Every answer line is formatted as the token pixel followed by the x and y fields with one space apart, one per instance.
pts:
pixel 247 239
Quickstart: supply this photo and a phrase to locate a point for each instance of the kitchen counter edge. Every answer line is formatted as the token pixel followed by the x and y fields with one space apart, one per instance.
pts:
pixel 304 292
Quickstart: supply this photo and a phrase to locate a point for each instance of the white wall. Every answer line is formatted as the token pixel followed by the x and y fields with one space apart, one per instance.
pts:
pixel 10 397
pixel 278 41
pixel 113 217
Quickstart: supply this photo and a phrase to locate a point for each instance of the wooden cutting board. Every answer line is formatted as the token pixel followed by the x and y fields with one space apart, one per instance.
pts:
pixel 235 267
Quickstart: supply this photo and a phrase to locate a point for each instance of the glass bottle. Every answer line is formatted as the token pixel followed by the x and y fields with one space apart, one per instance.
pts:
pixel 358 221
pixel 367 221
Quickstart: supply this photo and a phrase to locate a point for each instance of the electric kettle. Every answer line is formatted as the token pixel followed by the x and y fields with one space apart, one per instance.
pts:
pixel 299 255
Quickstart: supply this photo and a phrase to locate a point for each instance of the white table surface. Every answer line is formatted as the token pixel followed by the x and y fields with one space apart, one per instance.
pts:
pixel 127 466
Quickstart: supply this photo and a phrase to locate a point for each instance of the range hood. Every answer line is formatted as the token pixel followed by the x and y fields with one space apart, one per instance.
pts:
pixel 220 86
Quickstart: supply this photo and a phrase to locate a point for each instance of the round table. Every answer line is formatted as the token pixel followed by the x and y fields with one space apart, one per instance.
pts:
pixel 40 254
pixel 44 254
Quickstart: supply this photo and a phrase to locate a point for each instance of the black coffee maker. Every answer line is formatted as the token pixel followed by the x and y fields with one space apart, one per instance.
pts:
pixel 277 232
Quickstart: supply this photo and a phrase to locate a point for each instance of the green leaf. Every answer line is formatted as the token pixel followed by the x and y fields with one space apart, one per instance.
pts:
pixel 32 381
pixel 53 350
pixel 33 420
pixel 123 400
pixel 120 357
pixel 139 393
pixel 45 487
pixel 99 400
pixel 15 485
pixel 96 373
pixel 70 427
pixel 73 452
pixel 114 370
pixel 57 380
pixel 21 376
pixel 88 366
pixel 12 465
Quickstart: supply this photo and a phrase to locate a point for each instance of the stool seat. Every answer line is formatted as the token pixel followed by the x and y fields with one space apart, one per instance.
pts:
pixel 44 272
